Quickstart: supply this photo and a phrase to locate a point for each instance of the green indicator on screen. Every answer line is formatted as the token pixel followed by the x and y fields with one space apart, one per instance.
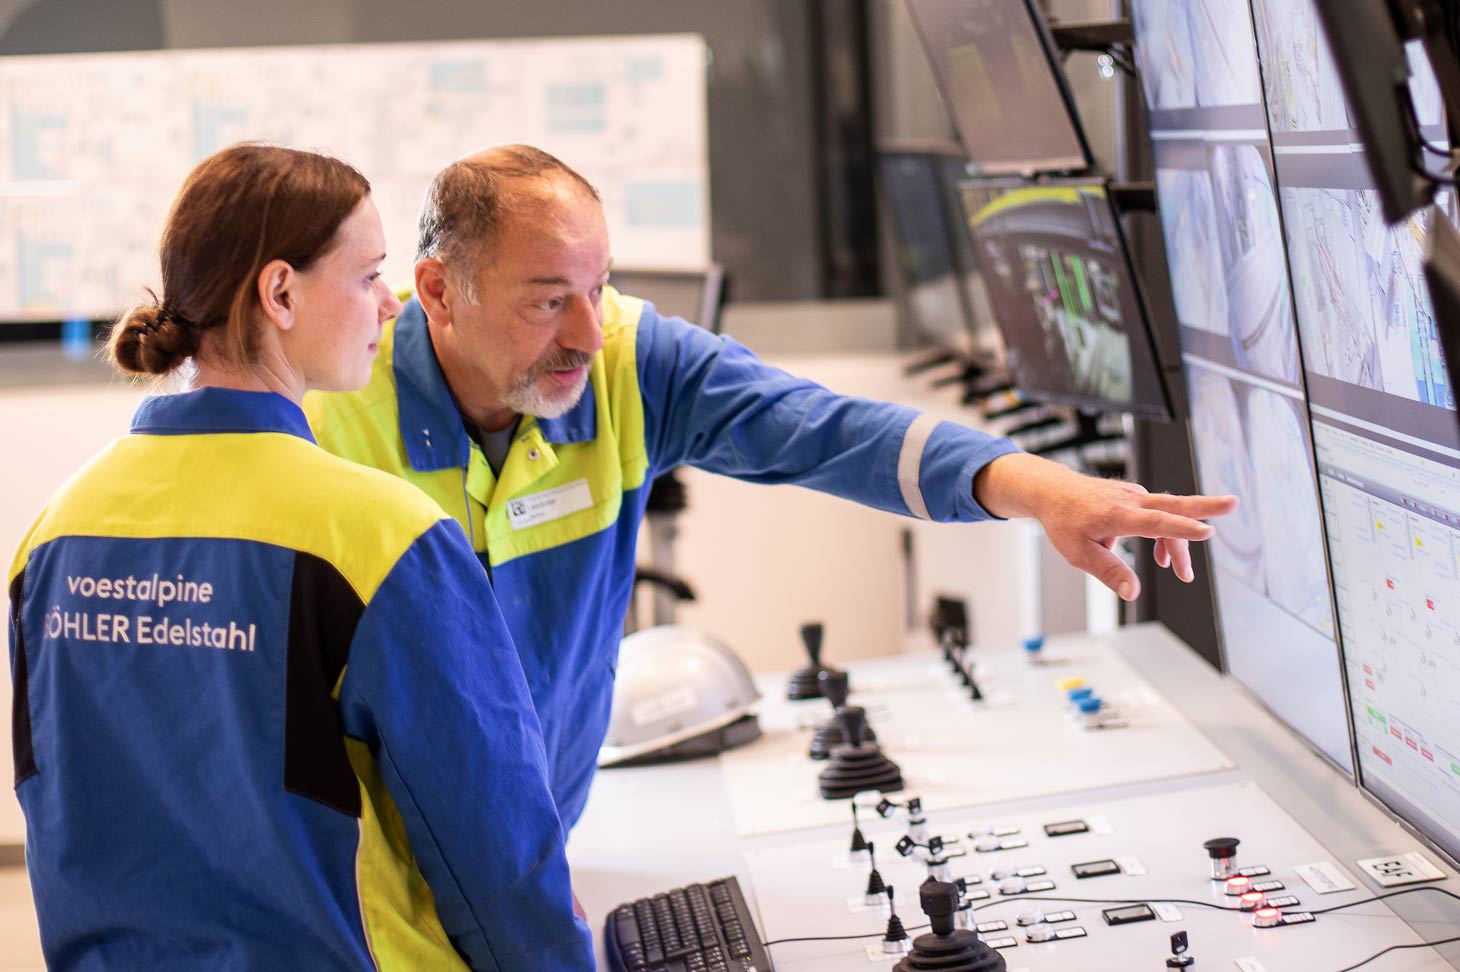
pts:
pixel 1375 713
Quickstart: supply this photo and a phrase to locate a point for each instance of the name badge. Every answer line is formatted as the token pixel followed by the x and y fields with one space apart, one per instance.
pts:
pixel 550 504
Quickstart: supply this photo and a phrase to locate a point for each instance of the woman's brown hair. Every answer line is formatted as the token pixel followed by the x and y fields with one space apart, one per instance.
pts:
pixel 238 210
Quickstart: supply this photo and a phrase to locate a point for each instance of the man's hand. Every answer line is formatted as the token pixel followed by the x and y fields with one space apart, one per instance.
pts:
pixel 1084 516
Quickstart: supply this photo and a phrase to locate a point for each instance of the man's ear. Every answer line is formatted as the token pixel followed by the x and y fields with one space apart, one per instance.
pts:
pixel 275 296
pixel 434 289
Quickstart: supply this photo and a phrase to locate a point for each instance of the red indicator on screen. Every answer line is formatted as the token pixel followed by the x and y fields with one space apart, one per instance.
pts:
pixel 1427 754
pixel 1390 582
pixel 1411 743
pixel 1368 670
pixel 1370 683
pixel 1396 733
pixel 1382 755
pixel 1430 603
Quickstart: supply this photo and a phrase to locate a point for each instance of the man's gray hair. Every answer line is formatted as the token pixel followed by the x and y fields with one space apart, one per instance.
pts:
pixel 468 200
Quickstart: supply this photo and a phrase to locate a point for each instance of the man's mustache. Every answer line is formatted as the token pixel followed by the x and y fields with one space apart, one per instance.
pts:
pixel 566 361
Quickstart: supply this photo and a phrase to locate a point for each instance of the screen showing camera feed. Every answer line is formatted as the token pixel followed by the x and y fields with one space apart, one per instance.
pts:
pixel 1001 86
pixel 1224 246
pixel 922 233
pixel 1383 424
pixel 1058 277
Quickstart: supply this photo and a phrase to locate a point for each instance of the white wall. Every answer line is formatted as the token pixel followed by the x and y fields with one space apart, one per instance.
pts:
pixel 45 434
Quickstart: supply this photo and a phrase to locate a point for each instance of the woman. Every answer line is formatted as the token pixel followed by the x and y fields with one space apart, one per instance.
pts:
pixel 262 718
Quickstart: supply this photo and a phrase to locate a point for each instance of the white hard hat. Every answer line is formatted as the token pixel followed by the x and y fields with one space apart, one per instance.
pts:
pixel 679 694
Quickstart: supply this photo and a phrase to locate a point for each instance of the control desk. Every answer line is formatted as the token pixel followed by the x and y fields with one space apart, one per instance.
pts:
pixel 1078 848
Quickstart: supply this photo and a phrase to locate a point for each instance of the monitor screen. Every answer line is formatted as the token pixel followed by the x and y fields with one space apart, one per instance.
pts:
pixel 1005 90
pixel 933 290
pixel 1066 298
pixel 1383 423
pixel 691 294
pixel 1234 309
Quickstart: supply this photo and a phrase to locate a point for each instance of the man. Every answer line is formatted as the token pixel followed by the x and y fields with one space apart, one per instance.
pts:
pixel 536 405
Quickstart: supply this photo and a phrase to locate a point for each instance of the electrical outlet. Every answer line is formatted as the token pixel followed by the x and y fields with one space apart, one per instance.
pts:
pixel 1400 869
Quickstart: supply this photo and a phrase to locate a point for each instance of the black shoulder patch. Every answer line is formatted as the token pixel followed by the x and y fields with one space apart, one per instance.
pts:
pixel 20 739
pixel 323 613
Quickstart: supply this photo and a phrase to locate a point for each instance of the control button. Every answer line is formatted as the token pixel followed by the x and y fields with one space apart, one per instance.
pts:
pixel 1252 900
pixel 1065 684
pixel 1013 885
pixel 1266 917
pixel 1030 916
pixel 1223 852
pixel 1237 886
pixel 1040 933
pixel 987 843
pixel 1008 871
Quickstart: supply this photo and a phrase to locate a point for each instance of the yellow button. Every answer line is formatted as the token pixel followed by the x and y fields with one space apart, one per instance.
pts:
pixel 1065 684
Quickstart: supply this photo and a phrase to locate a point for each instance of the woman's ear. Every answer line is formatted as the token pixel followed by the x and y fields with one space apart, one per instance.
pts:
pixel 275 296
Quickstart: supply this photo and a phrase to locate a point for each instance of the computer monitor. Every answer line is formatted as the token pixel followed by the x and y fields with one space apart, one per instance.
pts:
pixel 1065 295
pixel 1381 59
pixel 694 295
pixel 932 291
pixel 1249 423
pixel 1002 83
pixel 1384 431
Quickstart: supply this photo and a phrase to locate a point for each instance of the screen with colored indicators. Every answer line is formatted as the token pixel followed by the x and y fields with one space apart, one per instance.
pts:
pixel 1218 206
pixel 1383 423
pixel 1060 282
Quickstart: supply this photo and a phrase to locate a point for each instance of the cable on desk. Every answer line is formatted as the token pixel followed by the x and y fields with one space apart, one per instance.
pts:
pixel 1395 948
pixel 1112 901
pixel 836 938
pixel 1381 897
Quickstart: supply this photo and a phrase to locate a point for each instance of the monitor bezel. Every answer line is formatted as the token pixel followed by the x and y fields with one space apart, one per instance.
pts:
pixel 1056 70
pixel 1162 412
pixel 929 155
pixel 711 279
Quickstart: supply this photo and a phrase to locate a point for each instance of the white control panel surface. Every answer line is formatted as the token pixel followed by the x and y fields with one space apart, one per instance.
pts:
pixel 1022 740
pixel 1152 845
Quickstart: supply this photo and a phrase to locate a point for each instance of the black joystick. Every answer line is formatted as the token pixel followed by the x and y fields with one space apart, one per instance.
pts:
pixel 829 734
pixel 859 765
pixel 947 948
pixel 876 887
pixel 1223 852
pixel 806 682
pixel 894 942
pixel 859 842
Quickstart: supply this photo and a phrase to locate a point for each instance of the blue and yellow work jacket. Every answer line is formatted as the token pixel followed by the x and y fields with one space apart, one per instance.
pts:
pixel 557 530
pixel 268 717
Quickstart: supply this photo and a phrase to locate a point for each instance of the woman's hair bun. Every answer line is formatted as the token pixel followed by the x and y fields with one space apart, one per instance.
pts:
pixel 152 339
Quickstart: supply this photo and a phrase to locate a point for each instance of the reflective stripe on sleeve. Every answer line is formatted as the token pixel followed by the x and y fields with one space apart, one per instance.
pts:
pixel 910 464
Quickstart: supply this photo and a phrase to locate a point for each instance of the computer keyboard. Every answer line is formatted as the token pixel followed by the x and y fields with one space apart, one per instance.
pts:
pixel 697 928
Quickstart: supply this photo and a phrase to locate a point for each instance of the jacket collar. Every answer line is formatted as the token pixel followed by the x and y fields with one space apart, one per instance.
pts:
pixel 217 410
pixel 430 422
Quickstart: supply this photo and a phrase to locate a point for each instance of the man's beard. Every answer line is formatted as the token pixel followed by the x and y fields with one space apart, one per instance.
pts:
pixel 526 397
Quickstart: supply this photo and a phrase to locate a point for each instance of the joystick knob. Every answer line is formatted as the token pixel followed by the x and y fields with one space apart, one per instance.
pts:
pixel 1223 852
pixel 806 682
pixel 834 686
